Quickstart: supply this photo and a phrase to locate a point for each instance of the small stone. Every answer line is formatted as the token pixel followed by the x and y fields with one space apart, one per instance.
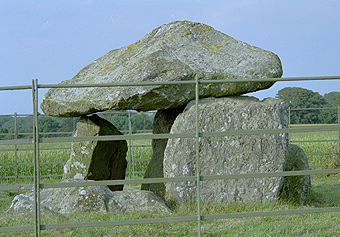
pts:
pixel 100 199
pixel 295 188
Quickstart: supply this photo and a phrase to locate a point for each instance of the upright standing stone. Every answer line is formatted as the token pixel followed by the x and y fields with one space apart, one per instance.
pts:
pixel 296 188
pixel 97 160
pixel 229 154
pixel 161 124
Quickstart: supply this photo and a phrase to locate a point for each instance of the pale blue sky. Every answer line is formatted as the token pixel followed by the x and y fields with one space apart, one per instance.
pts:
pixel 53 40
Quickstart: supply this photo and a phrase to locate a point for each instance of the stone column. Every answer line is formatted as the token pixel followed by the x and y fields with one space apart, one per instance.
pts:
pixel 162 123
pixel 97 160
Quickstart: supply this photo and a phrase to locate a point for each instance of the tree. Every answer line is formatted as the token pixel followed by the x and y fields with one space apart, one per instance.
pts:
pixel 333 101
pixel 3 131
pixel 141 122
pixel 296 97
pixel 48 124
pixel 67 124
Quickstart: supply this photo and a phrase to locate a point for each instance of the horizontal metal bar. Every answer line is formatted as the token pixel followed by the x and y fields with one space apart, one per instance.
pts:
pixel 5 88
pixel 116 137
pixel 16 187
pixel 7 164
pixel 271 174
pixel 271 131
pixel 8 177
pixel 140 146
pixel 240 80
pixel 271 79
pixel 18 115
pixel 321 154
pixel 56 133
pixel 116 182
pixel 51 175
pixel 271 213
pixel 119 222
pixel 54 148
pixel 173 219
pixel 188 135
pixel 188 178
pixel 314 141
pixel 114 84
pixel 16 142
pixel 52 163
pixel 16 228
pixel 297 109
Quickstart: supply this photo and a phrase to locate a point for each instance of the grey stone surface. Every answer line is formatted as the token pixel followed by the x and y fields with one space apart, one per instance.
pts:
pixel 67 201
pixel 229 154
pixel 172 52
pixel 295 188
pixel 96 160
pixel 161 124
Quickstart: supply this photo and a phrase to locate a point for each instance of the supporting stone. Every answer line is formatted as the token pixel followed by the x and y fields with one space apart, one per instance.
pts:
pixel 228 154
pixel 295 188
pixel 97 160
pixel 162 124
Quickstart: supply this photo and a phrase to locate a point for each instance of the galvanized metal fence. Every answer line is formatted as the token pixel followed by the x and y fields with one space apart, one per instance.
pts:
pixel 36 140
pixel 337 109
pixel 131 172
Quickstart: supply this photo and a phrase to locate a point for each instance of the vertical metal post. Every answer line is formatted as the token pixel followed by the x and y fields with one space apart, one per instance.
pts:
pixel 198 161
pixel 339 131
pixel 36 174
pixel 289 117
pixel 74 124
pixel 16 147
pixel 131 171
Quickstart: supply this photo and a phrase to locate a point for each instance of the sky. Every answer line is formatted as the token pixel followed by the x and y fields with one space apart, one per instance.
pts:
pixel 52 40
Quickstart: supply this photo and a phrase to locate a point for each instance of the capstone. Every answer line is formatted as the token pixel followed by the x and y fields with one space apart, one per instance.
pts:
pixel 176 51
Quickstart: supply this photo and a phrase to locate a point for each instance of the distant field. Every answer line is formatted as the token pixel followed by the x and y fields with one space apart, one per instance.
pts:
pixel 321 147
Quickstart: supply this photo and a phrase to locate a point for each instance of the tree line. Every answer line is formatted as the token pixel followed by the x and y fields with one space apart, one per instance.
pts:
pixel 294 97
pixel 299 98
pixel 46 124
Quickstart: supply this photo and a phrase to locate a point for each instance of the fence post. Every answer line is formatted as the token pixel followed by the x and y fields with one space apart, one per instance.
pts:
pixel 289 117
pixel 15 147
pixel 198 189
pixel 130 151
pixel 339 131
pixel 36 164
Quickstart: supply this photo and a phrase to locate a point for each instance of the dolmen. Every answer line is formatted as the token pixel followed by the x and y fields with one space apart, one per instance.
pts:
pixel 175 52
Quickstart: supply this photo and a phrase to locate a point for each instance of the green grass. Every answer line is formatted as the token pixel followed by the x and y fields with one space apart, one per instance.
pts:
pixel 325 193
pixel 320 154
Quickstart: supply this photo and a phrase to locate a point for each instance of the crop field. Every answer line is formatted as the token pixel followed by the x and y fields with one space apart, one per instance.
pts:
pixel 325 193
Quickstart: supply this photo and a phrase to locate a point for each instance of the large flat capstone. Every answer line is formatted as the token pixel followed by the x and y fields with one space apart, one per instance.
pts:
pixel 172 52
pixel 229 154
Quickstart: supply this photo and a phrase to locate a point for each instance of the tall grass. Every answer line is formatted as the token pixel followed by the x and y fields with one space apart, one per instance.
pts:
pixel 325 193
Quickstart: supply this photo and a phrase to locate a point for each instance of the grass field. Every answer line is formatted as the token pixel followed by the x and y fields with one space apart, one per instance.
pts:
pixel 325 193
